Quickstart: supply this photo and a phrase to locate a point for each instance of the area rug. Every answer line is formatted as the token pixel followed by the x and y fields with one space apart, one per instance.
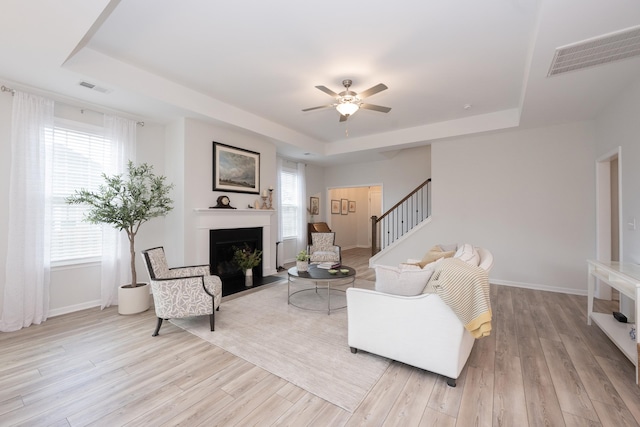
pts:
pixel 306 348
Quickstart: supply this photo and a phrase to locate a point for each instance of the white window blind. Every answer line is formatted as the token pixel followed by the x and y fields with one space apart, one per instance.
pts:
pixel 289 203
pixel 79 155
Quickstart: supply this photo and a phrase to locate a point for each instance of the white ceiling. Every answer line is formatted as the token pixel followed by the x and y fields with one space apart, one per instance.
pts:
pixel 254 64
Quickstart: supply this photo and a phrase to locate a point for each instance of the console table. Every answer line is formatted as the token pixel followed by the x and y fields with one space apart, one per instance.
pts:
pixel 625 277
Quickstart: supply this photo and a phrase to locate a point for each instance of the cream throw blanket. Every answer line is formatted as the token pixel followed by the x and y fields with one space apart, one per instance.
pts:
pixel 465 289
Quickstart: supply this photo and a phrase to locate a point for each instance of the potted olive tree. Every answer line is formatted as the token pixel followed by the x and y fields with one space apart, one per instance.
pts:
pixel 127 202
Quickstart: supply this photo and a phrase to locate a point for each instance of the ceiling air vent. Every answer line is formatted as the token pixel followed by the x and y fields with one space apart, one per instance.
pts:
pixel 94 87
pixel 600 50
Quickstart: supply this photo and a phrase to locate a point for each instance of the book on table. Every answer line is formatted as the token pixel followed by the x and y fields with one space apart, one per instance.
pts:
pixel 328 265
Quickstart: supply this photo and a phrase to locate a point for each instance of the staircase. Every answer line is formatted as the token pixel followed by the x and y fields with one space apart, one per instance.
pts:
pixel 414 208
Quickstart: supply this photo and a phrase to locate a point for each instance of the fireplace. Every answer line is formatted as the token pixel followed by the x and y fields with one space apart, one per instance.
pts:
pixel 207 220
pixel 222 245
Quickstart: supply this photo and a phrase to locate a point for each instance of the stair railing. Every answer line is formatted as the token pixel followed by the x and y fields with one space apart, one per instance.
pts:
pixel 401 218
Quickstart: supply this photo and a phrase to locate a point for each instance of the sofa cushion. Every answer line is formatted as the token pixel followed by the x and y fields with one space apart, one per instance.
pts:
pixel 467 253
pixel 434 254
pixel 401 281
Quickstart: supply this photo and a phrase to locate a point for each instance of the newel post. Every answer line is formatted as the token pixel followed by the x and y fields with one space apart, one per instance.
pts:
pixel 374 235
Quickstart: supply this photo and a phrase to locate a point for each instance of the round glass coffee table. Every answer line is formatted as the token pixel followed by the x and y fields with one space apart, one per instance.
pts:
pixel 319 286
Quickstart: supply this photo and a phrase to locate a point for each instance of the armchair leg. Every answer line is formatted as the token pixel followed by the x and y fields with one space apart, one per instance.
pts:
pixel 212 320
pixel 155 333
pixel 451 382
pixel 353 350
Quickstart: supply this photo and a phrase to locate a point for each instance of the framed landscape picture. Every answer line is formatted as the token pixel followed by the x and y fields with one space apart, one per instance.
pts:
pixel 352 206
pixel 335 206
pixel 344 210
pixel 235 169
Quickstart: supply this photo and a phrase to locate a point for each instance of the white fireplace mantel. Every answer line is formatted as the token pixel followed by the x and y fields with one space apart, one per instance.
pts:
pixel 217 219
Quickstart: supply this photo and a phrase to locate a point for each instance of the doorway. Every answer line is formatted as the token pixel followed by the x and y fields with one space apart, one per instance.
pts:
pixel 352 220
pixel 608 211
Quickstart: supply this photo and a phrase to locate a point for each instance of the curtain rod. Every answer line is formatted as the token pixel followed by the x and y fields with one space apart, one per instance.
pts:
pixel 7 89
pixel 4 88
pixel 82 110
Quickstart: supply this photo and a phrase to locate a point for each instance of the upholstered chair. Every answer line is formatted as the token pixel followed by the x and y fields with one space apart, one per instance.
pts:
pixel 181 291
pixel 323 248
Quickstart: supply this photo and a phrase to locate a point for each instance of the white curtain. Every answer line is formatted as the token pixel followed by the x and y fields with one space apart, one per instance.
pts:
pixel 26 289
pixel 302 203
pixel 279 164
pixel 115 269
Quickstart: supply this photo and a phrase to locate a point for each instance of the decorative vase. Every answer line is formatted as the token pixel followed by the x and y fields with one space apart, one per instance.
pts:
pixel 248 277
pixel 302 266
pixel 133 300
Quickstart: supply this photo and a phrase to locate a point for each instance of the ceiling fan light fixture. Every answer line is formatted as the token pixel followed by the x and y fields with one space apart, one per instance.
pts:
pixel 347 108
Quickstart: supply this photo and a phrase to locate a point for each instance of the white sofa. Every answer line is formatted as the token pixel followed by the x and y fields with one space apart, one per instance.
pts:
pixel 420 330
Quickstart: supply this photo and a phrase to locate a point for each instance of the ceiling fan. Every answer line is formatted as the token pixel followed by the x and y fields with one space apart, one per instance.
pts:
pixel 348 101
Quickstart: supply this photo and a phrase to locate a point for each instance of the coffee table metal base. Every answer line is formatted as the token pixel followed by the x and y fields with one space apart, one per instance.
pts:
pixel 323 287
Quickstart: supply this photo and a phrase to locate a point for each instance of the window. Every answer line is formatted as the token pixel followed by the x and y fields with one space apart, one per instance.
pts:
pixel 289 203
pixel 79 156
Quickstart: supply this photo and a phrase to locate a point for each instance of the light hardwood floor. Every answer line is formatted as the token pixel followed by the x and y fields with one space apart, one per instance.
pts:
pixel 542 365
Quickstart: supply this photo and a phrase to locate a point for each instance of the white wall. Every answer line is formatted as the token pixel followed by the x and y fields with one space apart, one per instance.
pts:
pixel 619 126
pixel 198 179
pixel 398 175
pixel 175 172
pixel 526 195
pixel 315 188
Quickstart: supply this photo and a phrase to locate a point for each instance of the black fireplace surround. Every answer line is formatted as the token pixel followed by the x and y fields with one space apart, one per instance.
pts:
pixel 221 248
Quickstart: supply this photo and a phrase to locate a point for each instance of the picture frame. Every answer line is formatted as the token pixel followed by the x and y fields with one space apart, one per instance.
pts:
pixel 235 169
pixel 352 206
pixel 344 209
pixel 314 206
pixel 335 207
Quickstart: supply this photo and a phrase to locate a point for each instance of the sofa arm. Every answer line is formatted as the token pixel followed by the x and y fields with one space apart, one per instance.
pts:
pixel 421 330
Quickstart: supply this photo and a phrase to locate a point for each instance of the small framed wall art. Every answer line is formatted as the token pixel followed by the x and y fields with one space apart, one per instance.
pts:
pixel 352 206
pixel 335 207
pixel 314 206
pixel 344 209
pixel 235 169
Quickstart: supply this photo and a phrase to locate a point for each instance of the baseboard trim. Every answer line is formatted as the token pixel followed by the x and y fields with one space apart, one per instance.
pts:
pixel 537 287
pixel 73 308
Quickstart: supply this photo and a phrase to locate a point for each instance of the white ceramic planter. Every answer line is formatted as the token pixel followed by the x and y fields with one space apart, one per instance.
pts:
pixel 302 266
pixel 248 277
pixel 134 300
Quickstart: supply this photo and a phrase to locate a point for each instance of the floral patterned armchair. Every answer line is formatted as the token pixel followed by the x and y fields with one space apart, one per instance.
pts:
pixel 181 291
pixel 323 248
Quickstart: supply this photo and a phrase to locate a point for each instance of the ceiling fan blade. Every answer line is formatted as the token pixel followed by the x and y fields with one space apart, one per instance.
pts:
pixel 327 91
pixel 343 118
pixel 317 108
pixel 372 90
pixel 375 108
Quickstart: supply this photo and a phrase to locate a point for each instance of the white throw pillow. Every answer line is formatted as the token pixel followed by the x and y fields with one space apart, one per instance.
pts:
pixel 449 247
pixel 468 254
pixel 405 282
